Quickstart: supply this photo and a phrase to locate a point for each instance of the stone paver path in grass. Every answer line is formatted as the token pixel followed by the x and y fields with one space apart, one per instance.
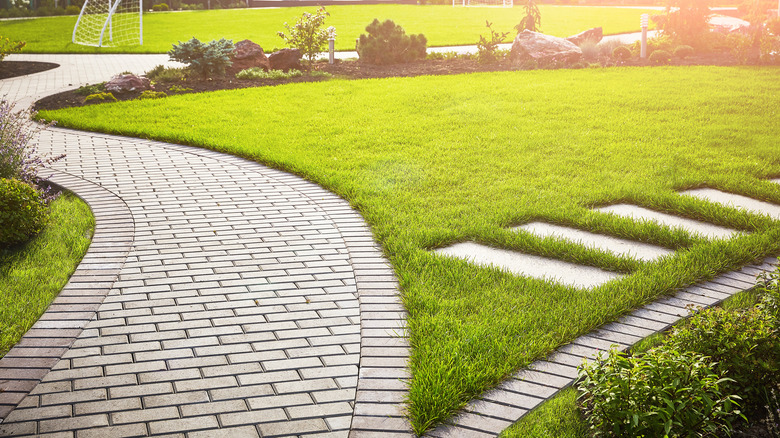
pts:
pixel 694 227
pixel 220 298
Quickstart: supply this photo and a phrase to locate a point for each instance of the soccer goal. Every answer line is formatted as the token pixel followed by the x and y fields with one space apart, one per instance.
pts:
pixel 484 3
pixel 109 23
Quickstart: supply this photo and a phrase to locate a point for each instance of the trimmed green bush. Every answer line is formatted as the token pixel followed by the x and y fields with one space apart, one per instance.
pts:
pixel 622 53
pixel 100 98
pixel 150 94
pixel 255 73
pixel 388 43
pixel 72 10
pixel 162 7
pixel 22 212
pixel 683 52
pixel 660 393
pixel 207 60
pixel 660 57
pixel 167 74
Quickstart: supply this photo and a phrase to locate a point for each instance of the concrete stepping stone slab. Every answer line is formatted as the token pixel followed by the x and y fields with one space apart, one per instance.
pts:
pixel 641 251
pixel 735 201
pixel 529 265
pixel 694 227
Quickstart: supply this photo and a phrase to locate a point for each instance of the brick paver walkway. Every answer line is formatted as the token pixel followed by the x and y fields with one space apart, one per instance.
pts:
pixel 221 298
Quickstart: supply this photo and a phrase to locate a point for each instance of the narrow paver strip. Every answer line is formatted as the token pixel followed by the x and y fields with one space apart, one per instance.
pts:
pixel 639 250
pixel 529 265
pixel 492 412
pixel 694 227
pixel 735 201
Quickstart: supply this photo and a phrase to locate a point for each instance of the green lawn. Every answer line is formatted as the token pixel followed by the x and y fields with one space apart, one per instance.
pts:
pixel 32 274
pixel 434 160
pixel 442 25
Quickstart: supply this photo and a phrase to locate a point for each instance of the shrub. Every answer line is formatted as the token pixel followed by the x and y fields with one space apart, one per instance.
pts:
pixel 72 10
pixel 741 47
pixel 178 89
pixel 660 57
pixel 256 73
pixel 8 47
pixel 19 158
pixel 769 288
pixel 387 43
pixel 659 393
pixel 100 98
pixel 686 20
pixel 86 90
pixel 447 56
pixel 192 7
pixel 161 7
pixel 206 60
pixel 683 52
pixel 22 211
pixel 532 20
pixel 307 35
pixel 590 50
pixel 608 46
pixel 744 344
pixel 487 48
pixel 622 53
pixel 151 94
pixel 167 74
pixel 660 42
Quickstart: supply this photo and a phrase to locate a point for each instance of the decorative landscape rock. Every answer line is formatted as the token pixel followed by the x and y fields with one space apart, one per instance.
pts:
pixel 543 49
pixel 285 59
pixel 128 83
pixel 594 35
pixel 248 55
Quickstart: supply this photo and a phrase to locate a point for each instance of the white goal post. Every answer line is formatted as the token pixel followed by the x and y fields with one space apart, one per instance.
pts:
pixel 109 23
pixel 485 3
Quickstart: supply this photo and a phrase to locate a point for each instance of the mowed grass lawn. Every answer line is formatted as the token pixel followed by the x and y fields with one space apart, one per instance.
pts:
pixel 32 274
pixel 442 25
pixel 430 161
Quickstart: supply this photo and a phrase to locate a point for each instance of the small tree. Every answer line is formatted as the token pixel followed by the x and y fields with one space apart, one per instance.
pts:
pixel 532 20
pixel 487 48
pixel 307 35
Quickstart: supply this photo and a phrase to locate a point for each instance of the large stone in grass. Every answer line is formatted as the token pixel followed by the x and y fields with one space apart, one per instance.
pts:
pixel 544 49
pixel 591 35
pixel 248 55
pixel 285 59
pixel 128 83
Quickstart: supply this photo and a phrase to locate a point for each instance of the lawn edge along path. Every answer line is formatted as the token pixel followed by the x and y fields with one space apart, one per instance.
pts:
pixel 495 410
pixel 41 347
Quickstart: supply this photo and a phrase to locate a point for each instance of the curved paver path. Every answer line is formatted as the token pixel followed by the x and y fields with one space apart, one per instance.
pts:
pixel 250 303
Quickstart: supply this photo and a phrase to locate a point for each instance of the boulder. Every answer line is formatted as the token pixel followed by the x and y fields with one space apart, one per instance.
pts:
pixel 247 55
pixel 126 83
pixel 286 60
pixel 594 35
pixel 544 49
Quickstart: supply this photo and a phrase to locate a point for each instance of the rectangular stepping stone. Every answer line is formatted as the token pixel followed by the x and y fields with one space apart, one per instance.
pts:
pixel 641 251
pixel 736 201
pixel 694 227
pixel 529 265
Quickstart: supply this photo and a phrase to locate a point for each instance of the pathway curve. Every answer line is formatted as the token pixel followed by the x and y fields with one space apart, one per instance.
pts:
pixel 239 301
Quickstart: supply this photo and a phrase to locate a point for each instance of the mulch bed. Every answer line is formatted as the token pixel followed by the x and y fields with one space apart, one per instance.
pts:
pixel 355 70
pixel 12 69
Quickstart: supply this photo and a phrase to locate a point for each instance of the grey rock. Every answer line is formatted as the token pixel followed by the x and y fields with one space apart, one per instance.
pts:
pixel 285 59
pixel 127 83
pixel 543 49
pixel 594 35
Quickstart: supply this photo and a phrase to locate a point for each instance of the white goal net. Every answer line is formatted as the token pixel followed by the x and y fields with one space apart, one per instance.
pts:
pixel 109 23
pixel 484 3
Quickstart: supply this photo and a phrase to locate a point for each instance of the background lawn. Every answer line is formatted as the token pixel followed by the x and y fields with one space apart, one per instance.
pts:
pixel 434 160
pixel 31 275
pixel 442 25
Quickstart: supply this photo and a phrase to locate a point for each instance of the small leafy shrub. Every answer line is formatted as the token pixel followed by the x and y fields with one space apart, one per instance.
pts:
pixel 206 60
pixel 151 94
pixel 72 10
pixel 19 158
pixel 660 57
pixel 660 42
pixel 161 7
pixel 178 89
pixel 744 344
pixel 659 393
pixel 590 50
pixel 191 7
pixel 622 53
pixel 86 90
pixel 447 56
pixel 256 73
pixel 100 98
pixel 387 43
pixel 307 35
pixel 608 46
pixel 22 211
pixel 167 74
pixel 7 47
pixel 683 52
pixel 769 288
pixel 686 21
pixel 533 18
pixel 741 47
pixel 487 49
pixel 769 49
